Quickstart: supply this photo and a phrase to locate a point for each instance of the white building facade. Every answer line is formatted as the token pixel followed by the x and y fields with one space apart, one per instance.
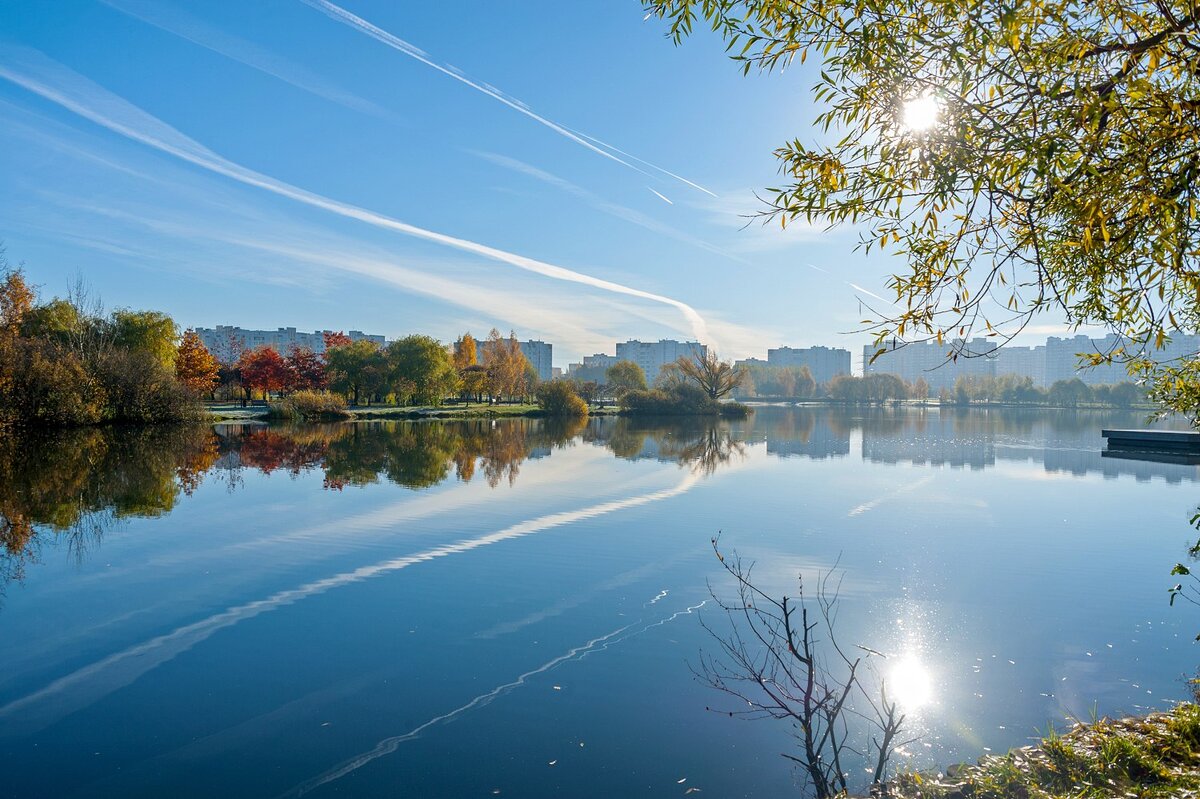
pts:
pixel 652 356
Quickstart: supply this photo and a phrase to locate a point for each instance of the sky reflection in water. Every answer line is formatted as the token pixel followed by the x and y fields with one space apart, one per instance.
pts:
pixel 452 609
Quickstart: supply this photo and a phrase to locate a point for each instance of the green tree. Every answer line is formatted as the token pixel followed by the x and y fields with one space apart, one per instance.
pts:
pixel 358 369
pixel 423 367
pixel 146 331
pixel 624 376
pixel 1021 157
pixel 558 398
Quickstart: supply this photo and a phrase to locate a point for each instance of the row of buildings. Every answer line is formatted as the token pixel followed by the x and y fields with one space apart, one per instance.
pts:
pixel 226 342
pixel 824 363
pixel 652 356
pixel 1057 359
pixel 1046 364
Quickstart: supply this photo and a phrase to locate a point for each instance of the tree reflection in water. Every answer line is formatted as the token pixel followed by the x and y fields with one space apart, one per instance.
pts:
pixel 71 486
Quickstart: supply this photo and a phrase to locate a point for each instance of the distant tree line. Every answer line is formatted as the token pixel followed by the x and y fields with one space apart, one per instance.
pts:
pixel 1000 389
pixel 1017 390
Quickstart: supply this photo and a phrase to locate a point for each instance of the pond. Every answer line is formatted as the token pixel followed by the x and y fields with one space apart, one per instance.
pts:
pixel 513 607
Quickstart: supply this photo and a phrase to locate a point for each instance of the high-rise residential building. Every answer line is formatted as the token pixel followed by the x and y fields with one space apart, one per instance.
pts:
pixel 1058 359
pixel 539 354
pixel 1024 362
pixel 225 342
pixel 652 356
pixel 932 362
pixel 824 363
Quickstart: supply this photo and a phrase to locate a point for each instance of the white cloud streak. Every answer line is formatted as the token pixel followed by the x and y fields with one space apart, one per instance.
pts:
pixel 197 32
pixel 56 83
pixel 345 17
pixel 594 200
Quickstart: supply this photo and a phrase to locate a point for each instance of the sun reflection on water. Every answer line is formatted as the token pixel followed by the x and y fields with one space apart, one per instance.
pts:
pixel 910 683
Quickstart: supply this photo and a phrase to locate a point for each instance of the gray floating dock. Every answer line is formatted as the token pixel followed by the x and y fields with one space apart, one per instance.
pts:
pixel 1153 440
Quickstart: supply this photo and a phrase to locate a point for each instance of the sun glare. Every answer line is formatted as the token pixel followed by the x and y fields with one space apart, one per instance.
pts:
pixel 909 683
pixel 921 113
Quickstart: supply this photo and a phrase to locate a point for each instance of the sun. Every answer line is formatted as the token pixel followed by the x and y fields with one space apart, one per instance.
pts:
pixel 921 113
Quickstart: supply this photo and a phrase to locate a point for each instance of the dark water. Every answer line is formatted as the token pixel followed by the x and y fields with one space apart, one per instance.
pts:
pixel 511 608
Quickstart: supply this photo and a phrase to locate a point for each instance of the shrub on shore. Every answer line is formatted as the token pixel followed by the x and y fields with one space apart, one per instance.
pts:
pixel 681 399
pixel 558 398
pixel 309 405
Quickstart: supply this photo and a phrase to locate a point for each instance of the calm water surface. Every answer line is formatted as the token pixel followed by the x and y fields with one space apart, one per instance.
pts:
pixel 510 608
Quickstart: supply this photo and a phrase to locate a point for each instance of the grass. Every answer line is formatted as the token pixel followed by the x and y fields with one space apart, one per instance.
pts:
pixel 1154 757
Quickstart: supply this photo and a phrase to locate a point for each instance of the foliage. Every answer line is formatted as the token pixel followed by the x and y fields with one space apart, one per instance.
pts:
pixel 625 375
pixel 358 369
pixel 309 405
pixel 421 370
pixel 872 387
pixel 146 331
pixel 1153 757
pixel 776 381
pixel 64 363
pixel 16 296
pixel 1020 157
pixel 506 365
pixel 679 400
pixel 263 369
pixel 195 366
pixel 44 384
pixel 558 398
pixel 306 370
pixel 465 352
pixel 714 377
pixel 332 339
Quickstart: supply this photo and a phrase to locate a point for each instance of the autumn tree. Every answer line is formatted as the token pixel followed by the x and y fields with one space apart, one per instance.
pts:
pixel 710 374
pixel 625 375
pixel 338 339
pixel 263 369
pixel 1020 157
pixel 465 352
pixel 17 297
pixel 195 366
pixel 505 364
pixel 306 369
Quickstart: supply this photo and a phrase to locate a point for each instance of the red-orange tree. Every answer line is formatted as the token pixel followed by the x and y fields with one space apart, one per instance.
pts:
pixel 195 366
pixel 263 369
pixel 307 369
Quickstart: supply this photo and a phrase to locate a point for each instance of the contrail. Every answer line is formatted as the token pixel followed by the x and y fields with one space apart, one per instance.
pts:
pixel 660 196
pixel 389 745
pixel 142 127
pixel 640 161
pixel 345 17
pixel 124 667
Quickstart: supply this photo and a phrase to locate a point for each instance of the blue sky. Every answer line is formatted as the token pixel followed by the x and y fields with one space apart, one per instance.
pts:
pixel 292 163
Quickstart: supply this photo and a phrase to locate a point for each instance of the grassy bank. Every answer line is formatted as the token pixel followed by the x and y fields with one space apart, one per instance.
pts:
pixel 1152 757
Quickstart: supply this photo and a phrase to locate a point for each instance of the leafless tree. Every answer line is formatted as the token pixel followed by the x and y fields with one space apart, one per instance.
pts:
pixel 781 659
pixel 715 377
